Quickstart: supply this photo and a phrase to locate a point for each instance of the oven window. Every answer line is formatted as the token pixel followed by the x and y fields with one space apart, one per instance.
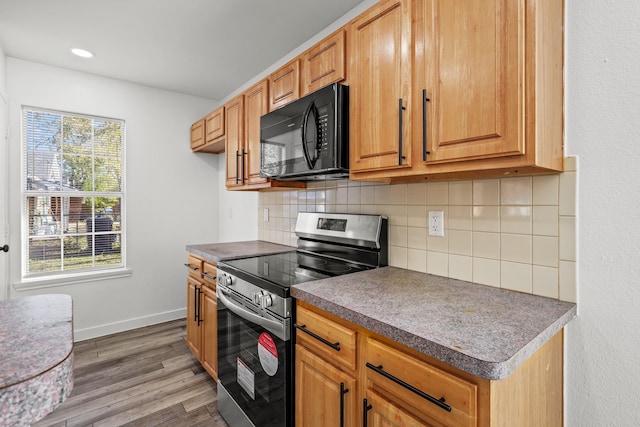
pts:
pixel 254 367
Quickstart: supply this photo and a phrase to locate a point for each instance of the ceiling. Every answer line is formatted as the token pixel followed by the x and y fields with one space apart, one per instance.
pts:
pixel 206 48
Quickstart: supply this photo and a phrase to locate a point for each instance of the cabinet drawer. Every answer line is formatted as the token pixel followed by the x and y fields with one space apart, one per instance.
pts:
pixel 194 266
pixel 326 338
pixel 419 386
pixel 209 273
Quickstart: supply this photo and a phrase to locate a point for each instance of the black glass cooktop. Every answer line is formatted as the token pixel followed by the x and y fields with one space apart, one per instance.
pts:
pixel 277 273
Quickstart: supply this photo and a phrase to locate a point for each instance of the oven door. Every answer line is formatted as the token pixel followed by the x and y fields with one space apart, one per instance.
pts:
pixel 255 382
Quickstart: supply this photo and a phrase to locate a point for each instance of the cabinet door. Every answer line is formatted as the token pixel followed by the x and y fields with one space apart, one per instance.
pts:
pixel 197 134
pixel 380 74
pixel 323 393
pixel 235 150
pixel 382 413
pixel 210 332
pixel 429 391
pixel 324 63
pixel 471 63
pixel 256 104
pixel 194 303
pixel 284 85
pixel 214 124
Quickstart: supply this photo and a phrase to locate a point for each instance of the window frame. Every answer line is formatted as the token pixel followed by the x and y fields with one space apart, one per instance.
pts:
pixel 70 276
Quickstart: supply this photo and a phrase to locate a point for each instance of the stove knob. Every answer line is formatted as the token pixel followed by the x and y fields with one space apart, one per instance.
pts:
pixel 266 301
pixel 229 280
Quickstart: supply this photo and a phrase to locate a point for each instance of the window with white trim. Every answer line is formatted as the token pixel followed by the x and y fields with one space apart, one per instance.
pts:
pixel 73 192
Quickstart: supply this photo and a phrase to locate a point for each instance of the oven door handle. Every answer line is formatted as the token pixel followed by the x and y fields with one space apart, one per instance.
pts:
pixel 275 327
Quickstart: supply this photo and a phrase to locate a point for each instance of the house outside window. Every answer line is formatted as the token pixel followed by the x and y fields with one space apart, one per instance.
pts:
pixel 73 193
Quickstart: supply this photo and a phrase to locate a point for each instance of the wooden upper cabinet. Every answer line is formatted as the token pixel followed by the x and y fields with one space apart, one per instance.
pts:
pixel 470 62
pixel 324 63
pixel 256 104
pixel 235 151
pixel 207 134
pixel 197 134
pixel 284 85
pixel 214 124
pixel 380 74
pixel 486 91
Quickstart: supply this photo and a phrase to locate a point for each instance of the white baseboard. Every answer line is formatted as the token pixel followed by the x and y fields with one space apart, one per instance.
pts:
pixel 128 324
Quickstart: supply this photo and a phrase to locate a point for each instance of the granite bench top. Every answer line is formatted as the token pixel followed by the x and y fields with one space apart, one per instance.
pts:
pixel 216 252
pixel 36 357
pixel 485 331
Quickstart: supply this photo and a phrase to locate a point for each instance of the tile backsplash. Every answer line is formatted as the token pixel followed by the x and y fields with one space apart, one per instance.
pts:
pixel 517 233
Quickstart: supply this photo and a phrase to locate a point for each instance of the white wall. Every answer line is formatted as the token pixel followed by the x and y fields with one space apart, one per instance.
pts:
pixel 171 192
pixel 603 130
pixel 236 210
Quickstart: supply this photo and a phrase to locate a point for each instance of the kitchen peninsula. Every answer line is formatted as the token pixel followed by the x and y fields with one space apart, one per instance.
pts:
pixel 36 349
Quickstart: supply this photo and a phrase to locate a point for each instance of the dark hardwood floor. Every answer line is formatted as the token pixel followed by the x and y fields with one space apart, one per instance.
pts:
pixel 143 377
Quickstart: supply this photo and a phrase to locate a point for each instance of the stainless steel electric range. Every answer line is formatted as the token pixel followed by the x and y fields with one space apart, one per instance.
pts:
pixel 255 349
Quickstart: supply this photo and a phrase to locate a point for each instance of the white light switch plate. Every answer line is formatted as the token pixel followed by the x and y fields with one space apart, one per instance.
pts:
pixel 266 215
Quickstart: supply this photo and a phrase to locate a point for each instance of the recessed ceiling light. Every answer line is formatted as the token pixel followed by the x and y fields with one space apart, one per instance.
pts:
pixel 82 53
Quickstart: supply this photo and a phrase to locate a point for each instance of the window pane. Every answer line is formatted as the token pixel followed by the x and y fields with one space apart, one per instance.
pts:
pixel 77 254
pixel 41 220
pixel 77 173
pixel 79 209
pixel 108 173
pixel 108 138
pixel 77 135
pixel 44 255
pixel 43 170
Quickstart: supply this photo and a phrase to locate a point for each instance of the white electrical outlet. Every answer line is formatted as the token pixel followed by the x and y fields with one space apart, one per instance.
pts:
pixel 436 223
pixel 266 214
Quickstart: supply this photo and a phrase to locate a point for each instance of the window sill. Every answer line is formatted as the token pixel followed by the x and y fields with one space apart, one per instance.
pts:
pixel 71 279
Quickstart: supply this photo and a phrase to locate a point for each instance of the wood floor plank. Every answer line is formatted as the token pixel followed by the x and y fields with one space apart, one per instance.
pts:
pixel 155 401
pixel 144 377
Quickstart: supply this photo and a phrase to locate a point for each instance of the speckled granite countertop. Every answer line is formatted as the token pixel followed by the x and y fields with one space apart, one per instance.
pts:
pixel 36 357
pixel 485 331
pixel 216 252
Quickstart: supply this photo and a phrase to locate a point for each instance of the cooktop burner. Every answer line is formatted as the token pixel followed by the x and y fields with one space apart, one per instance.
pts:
pixel 279 272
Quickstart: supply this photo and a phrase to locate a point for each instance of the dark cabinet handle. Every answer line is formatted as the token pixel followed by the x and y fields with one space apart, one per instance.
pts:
pixel 191 267
pixel 400 110
pixel 365 409
pixel 424 125
pixel 199 305
pixel 209 276
pixel 244 153
pixel 303 328
pixel 438 402
pixel 237 167
pixel 195 303
pixel 343 391
pixel 5 248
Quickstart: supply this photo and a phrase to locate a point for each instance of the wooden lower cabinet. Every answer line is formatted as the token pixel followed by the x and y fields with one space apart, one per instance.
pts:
pixel 325 394
pixel 393 385
pixel 382 413
pixel 202 313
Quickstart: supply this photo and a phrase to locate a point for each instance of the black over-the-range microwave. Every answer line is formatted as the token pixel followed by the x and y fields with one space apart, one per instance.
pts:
pixel 308 138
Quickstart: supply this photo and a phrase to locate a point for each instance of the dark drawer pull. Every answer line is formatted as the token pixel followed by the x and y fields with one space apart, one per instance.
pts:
pixel 303 328
pixel 191 267
pixel 439 402
pixel 209 276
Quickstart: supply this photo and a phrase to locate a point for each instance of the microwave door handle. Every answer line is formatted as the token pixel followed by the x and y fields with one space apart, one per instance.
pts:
pixel 305 149
pixel 278 328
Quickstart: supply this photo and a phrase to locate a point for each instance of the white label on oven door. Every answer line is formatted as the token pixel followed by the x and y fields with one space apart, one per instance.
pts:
pixel 268 354
pixel 246 379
